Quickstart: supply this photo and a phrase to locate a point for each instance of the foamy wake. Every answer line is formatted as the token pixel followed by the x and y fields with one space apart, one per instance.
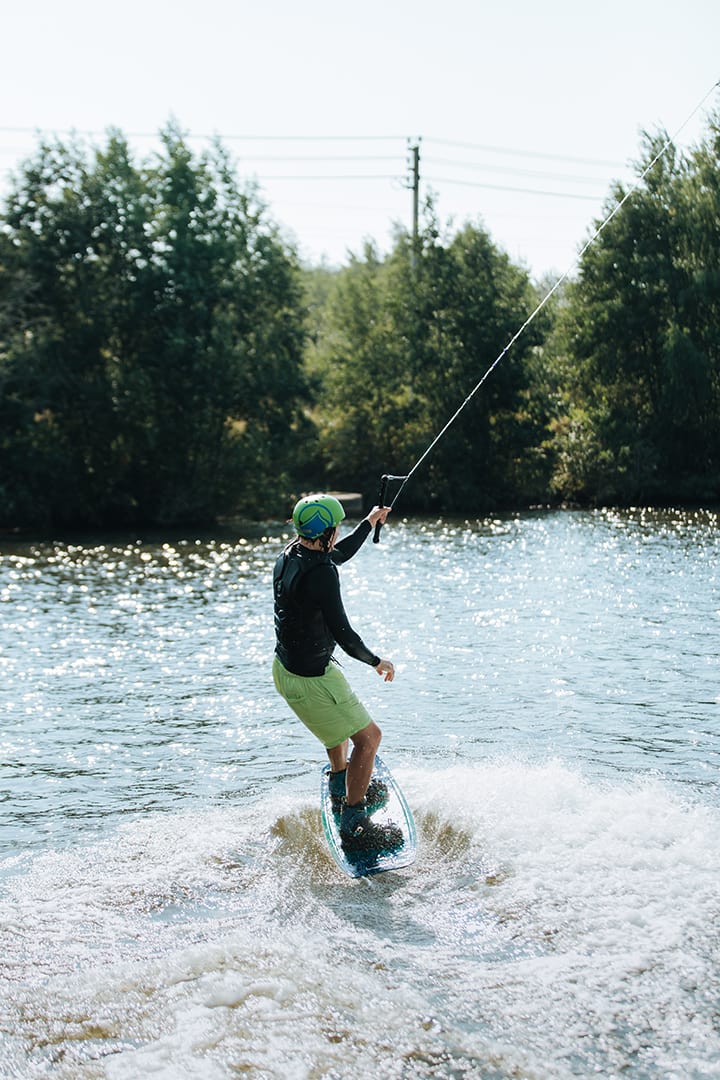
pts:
pixel 551 927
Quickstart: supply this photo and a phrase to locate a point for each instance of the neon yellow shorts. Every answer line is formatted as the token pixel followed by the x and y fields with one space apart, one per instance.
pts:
pixel 325 703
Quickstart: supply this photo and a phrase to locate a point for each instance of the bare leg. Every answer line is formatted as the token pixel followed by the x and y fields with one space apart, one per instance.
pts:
pixel 338 756
pixel 360 766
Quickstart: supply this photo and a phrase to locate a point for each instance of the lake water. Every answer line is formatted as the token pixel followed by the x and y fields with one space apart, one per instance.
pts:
pixel 168 908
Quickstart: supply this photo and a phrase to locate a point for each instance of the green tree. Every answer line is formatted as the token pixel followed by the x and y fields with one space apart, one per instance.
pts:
pixel 636 344
pixel 151 339
pixel 474 300
pixel 405 341
pixel 359 363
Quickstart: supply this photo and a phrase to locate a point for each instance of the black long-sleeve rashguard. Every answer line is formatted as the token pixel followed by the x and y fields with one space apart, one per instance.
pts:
pixel 310 618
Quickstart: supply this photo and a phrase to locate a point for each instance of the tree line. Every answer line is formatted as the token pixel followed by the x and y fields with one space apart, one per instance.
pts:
pixel 165 358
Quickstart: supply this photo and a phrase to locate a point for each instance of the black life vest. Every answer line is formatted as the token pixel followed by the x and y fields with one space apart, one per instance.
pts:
pixel 303 638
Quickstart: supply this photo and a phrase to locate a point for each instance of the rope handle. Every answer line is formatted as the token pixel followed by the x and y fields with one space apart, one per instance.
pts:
pixel 381 502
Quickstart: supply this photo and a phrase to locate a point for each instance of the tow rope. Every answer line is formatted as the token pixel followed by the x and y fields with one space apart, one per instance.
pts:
pixel 385 479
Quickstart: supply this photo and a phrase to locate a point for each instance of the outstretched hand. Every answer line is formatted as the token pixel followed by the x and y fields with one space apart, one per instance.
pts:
pixel 386 668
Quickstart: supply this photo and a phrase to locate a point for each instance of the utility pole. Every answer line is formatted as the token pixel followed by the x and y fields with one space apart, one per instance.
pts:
pixel 415 185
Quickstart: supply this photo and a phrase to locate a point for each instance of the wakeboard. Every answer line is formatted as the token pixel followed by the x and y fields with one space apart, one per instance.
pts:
pixel 358 863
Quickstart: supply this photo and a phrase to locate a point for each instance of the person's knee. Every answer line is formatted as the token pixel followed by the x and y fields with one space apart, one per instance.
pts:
pixel 374 735
pixel 370 737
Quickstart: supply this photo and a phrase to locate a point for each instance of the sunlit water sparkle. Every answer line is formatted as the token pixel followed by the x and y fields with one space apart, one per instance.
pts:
pixel 168 907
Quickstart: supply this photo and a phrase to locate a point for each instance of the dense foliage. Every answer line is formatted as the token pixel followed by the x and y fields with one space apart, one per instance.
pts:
pixel 637 345
pixel 164 358
pixel 403 343
pixel 150 341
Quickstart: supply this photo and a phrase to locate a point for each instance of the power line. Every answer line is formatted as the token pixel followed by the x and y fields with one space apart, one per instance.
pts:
pixel 484 167
pixel 526 153
pixel 514 190
pixel 205 135
pixel 327 176
pixel 319 157
pixel 334 138
pixel 262 177
pixel 251 151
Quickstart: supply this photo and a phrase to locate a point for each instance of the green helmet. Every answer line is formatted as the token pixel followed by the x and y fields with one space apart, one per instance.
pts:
pixel 313 514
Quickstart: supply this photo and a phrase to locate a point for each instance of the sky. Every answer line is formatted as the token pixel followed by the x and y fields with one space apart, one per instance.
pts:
pixel 524 113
